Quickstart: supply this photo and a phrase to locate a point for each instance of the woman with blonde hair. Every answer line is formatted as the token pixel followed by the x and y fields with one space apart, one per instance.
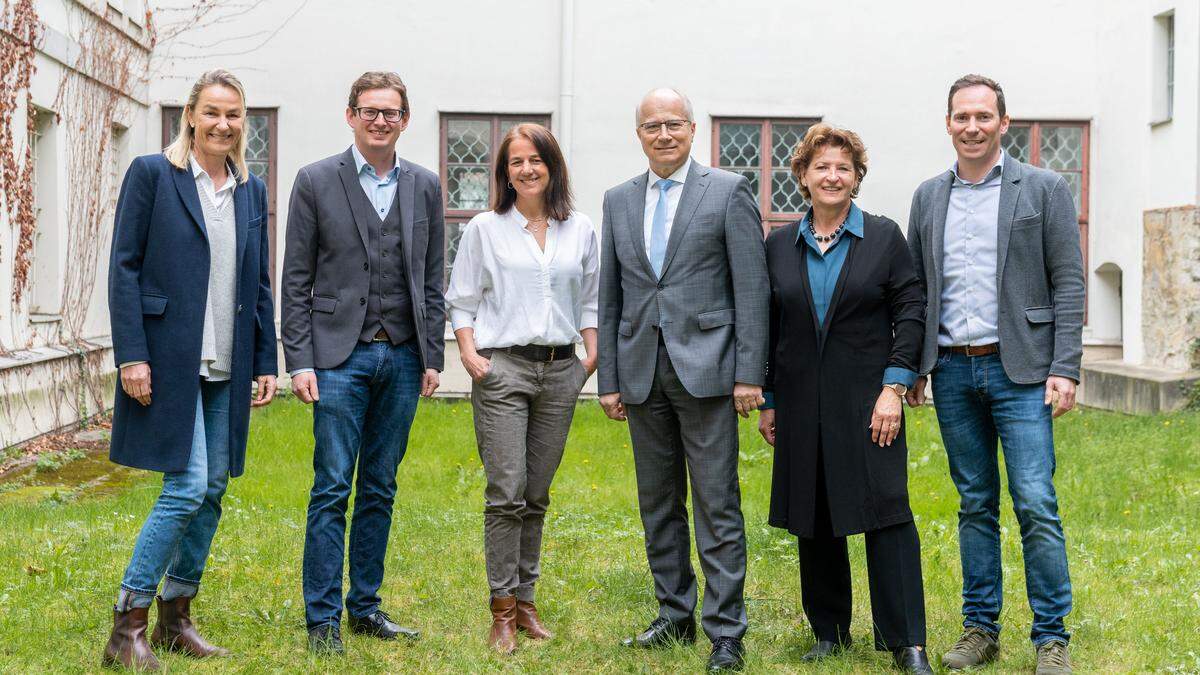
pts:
pixel 524 291
pixel 192 325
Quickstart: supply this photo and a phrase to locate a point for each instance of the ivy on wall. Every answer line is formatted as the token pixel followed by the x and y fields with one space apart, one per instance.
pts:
pixel 19 35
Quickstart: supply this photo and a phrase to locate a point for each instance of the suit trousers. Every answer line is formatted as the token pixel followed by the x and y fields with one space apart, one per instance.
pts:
pixel 893 574
pixel 677 437
pixel 522 410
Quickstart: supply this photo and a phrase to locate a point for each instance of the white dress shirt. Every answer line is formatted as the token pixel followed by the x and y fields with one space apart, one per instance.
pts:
pixel 673 194
pixel 511 292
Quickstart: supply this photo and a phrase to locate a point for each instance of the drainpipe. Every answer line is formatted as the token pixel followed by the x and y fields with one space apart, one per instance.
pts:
pixel 566 78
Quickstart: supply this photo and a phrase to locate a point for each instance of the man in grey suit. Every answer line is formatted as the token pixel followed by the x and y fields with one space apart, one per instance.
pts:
pixel 683 342
pixel 996 244
pixel 363 322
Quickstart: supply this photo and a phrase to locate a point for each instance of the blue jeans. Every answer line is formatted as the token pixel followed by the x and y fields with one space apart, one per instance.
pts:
pixel 365 410
pixel 976 404
pixel 179 530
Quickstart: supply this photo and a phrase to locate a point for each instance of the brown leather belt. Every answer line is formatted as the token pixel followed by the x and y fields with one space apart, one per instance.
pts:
pixel 539 352
pixel 973 350
pixel 381 336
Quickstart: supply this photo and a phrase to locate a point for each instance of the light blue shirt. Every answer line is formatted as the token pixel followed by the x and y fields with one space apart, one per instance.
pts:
pixel 823 272
pixel 381 192
pixel 970 301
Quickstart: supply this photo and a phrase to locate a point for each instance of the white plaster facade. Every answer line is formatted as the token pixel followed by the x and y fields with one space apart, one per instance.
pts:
pixel 881 68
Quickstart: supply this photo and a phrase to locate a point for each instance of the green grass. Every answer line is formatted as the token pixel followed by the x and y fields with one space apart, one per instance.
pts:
pixel 1129 490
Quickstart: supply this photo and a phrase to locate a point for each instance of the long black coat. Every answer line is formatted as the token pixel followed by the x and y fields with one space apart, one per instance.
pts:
pixel 825 393
pixel 157 292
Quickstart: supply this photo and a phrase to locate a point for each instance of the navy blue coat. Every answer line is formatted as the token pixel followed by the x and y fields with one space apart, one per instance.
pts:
pixel 157 291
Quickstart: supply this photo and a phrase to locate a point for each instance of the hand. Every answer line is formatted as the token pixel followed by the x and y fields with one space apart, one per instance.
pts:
pixel 305 386
pixel 430 381
pixel 747 397
pixel 885 418
pixel 477 366
pixel 613 407
pixel 916 393
pixel 766 425
pixel 1061 392
pixel 266 390
pixel 135 380
pixel 589 365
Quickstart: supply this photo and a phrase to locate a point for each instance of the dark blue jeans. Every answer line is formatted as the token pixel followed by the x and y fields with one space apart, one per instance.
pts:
pixel 976 405
pixel 364 413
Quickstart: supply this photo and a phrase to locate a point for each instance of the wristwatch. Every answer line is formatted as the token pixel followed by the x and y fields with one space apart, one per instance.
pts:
pixel 900 389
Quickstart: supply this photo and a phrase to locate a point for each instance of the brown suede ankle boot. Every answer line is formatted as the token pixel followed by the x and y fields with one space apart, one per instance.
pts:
pixel 503 636
pixel 529 622
pixel 175 631
pixel 127 646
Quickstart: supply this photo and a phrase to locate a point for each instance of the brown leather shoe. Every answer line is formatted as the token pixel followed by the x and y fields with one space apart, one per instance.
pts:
pixel 503 636
pixel 530 623
pixel 175 631
pixel 127 646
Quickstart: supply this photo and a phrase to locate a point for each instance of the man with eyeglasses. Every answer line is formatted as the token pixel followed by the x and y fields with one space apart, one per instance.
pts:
pixel 683 350
pixel 363 322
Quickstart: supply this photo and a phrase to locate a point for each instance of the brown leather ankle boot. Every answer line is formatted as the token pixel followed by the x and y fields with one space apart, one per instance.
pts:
pixel 529 622
pixel 127 646
pixel 503 636
pixel 175 630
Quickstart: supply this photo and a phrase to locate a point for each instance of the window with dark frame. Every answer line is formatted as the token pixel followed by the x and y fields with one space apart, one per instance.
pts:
pixel 468 143
pixel 761 150
pixel 261 131
pixel 1062 147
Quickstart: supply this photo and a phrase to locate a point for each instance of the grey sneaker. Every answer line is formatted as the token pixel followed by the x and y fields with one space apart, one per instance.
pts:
pixel 1053 658
pixel 975 647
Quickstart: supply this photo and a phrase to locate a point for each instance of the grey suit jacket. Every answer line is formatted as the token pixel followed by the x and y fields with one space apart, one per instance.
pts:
pixel 711 303
pixel 325 270
pixel 1039 270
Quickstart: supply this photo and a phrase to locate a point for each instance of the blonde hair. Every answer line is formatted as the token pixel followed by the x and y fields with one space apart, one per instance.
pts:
pixel 178 152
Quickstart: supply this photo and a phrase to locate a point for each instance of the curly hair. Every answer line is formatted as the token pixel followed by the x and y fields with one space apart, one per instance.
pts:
pixel 818 137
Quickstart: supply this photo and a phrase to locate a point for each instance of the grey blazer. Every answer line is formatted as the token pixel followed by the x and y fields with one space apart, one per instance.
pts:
pixel 711 303
pixel 1039 271
pixel 325 270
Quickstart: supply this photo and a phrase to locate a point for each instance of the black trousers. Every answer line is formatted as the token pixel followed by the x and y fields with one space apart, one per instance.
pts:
pixel 893 573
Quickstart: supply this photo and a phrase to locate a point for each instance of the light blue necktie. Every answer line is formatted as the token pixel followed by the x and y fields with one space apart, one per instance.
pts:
pixel 658 227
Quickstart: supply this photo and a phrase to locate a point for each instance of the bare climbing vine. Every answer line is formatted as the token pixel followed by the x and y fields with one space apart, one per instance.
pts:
pixel 19 35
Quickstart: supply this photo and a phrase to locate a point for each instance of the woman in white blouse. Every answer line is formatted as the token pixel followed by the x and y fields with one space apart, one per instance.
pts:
pixel 523 293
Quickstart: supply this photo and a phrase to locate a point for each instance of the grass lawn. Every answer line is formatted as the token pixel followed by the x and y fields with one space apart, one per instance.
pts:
pixel 1129 490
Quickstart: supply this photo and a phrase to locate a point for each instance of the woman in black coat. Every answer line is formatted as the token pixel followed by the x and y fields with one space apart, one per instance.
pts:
pixel 847 319
pixel 192 325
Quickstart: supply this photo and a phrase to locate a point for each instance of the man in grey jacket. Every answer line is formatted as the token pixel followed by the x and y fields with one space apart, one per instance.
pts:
pixel 996 244
pixel 363 327
pixel 683 341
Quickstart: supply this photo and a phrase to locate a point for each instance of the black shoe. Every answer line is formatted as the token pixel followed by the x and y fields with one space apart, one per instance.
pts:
pixel 379 624
pixel 663 633
pixel 912 660
pixel 727 654
pixel 824 649
pixel 326 639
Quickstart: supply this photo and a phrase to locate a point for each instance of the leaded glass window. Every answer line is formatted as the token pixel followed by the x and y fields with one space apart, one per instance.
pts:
pixel 468 150
pixel 1059 146
pixel 761 150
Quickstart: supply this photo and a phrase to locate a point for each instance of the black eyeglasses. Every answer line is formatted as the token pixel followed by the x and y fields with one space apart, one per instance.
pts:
pixel 371 114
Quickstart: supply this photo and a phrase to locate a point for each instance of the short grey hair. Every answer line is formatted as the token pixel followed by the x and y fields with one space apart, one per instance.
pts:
pixel 687 103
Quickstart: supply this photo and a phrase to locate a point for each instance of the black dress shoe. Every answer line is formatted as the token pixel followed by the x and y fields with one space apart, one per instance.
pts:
pixel 379 624
pixel 728 653
pixel 824 649
pixel 663 633
pixel 326 639
pixel 912 660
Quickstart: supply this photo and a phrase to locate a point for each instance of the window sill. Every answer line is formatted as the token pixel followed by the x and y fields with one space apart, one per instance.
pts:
pixel 38 317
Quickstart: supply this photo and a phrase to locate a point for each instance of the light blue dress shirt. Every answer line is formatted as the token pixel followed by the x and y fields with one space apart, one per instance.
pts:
pixel 823 272
pixel 970 301
pixel 381 192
